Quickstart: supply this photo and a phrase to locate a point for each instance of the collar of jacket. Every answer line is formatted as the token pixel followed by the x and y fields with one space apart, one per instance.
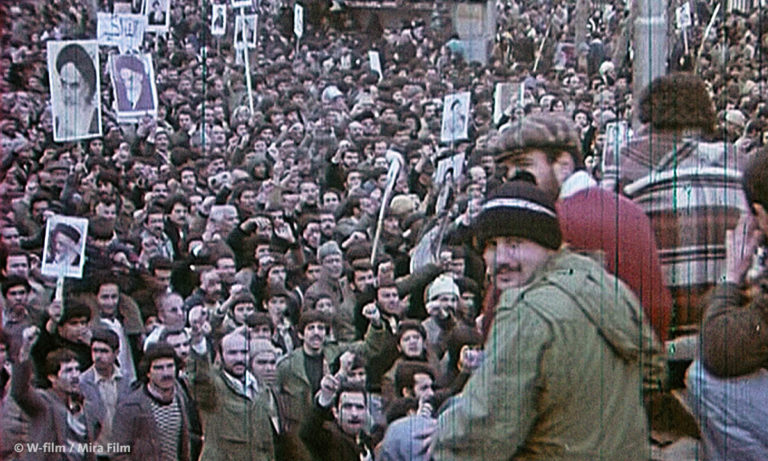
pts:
pixel 249 389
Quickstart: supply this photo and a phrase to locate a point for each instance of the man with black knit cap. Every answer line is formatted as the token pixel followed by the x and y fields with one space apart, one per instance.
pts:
pixel 591 218
pixel 567 350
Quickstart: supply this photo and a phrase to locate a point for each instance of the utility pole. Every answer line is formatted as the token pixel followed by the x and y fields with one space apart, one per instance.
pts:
pixel 650 50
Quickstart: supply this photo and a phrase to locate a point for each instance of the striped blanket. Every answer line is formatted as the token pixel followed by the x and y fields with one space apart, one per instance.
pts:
pixel 691 198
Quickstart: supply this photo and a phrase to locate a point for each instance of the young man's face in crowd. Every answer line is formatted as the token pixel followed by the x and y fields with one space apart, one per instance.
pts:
pixel 535 162
pixel 314 337
pixel 38 210
pixel 160 190
pixel 185 120
pixel 241 312
pixel 363 279
pixel 103 356
pixel 108 298
pixel 67 380
pixel 162 373
pixel 411 344
pixel 351 412
pixel 325 305
pixel 313 271
pixel 226 270
pixel 10 237
pixel 17 265
pixel 180 343
pixel 277 274
pixel 188 179
pixel 277 306
pixel 312 234
pixel 179 214
pixel 389 301
pixel 155 224
pixel 264 367
pixel 17 295
pixel 309 193
pixel 512 261
pixel 422 386
pixel 234 352
pixel 350 159
pixel 331 200
pixel 74 329
pixel 248 200
pixel 327 224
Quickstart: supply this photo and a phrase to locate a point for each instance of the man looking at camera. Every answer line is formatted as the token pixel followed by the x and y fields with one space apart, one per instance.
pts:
pixel 153 420
pixel 554 308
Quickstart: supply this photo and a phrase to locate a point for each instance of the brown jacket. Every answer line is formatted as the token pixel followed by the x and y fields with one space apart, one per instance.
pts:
pixel 134 425
pixel 734 335
pixel 47 414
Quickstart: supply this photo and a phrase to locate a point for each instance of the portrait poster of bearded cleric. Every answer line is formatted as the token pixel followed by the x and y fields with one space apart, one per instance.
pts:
pixel 64 247
pixel 73 70
pixel 133 80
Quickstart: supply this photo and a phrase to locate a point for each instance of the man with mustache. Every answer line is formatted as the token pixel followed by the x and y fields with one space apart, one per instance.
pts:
pixel 592 219
pixel 334 430
pixel 153 419
pixel 560 319
pixel 300 373
pixel 236 420
pixel 57 415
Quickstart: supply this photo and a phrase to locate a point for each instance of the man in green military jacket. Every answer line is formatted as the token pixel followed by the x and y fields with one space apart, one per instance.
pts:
pixel 566 355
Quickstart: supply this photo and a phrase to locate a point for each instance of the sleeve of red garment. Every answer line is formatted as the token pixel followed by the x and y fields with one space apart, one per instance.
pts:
pixel 599 220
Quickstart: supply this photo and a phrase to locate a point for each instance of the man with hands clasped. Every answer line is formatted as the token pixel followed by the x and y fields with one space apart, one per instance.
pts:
pixel 734 338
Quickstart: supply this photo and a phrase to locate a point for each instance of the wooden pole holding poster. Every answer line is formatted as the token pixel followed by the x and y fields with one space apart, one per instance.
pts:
pixel 248 83
pixel 298 24
pixel 704 38
pixel 395 164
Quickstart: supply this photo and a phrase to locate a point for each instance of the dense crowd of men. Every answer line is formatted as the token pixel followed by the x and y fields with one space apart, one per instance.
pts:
pixel 269 285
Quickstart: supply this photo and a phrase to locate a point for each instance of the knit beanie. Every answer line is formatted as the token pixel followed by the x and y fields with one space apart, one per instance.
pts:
pixel 443 284
pixel 518 209
pixel 327 249
pixel 257 346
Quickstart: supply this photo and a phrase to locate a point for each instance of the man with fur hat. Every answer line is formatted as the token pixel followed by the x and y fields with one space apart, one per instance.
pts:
pixel 554 308
pixel 333 282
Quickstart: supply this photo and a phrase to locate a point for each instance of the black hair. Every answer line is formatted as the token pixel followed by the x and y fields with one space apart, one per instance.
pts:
pixel 75 53
pixel 55 359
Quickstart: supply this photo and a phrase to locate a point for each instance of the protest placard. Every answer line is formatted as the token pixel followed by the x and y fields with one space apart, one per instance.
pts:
pixel 73 77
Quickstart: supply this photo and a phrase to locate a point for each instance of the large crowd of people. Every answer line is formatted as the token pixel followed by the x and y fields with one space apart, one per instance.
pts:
pixel 272 268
